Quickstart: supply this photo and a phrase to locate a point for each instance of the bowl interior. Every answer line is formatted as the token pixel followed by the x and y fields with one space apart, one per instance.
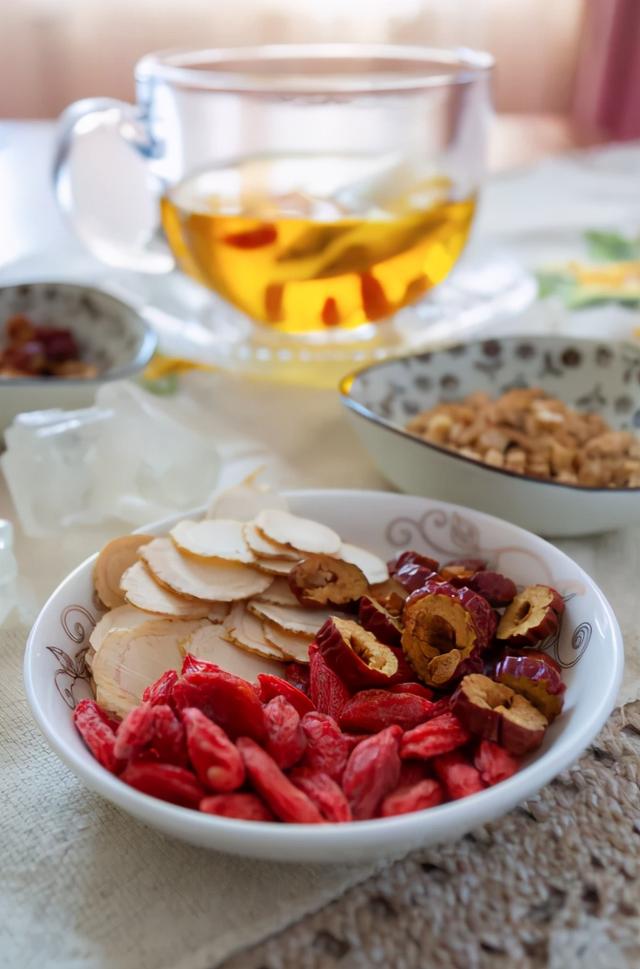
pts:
pixel 588 648
pixel 109 333
pixel 587 374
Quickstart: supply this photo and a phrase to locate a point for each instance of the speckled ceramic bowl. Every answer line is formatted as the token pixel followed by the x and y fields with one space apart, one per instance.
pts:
pixel 110 334
pixel 587 374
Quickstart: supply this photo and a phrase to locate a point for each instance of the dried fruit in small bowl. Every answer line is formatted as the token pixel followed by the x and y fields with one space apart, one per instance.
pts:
pixel 445 632
pixel 356 655
pixel 33 350
pixel 320 580
pixel 533 616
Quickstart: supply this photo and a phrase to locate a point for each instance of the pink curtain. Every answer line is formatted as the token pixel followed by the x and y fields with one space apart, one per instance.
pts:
pixel 607 92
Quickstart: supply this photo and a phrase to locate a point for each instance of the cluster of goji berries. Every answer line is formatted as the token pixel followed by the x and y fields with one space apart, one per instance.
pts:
pixel 306 749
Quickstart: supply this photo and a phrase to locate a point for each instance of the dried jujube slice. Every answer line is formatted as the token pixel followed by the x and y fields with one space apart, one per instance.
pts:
pixel 320 580
pixel 522 727
pixel 446 630
pixel 413 575
pixel 533 615
pixel 496 588
pixel 377 620
pixel 475 703
pixel 357 656
pixel 495 712
pixel 390 594
pixel 411 557
pixel 536 679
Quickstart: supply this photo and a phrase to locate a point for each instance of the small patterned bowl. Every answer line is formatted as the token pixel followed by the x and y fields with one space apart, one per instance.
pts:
pixel 588 374
pixel 110 334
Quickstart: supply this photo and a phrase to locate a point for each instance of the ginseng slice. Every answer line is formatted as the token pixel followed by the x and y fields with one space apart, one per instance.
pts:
pixel 298 533
pixel 374 568
pixel 245 500
pixel 263 547
pixel 112 562
pixel 293 646
pixel 221 538
pixel 130 659
pixel 274 566
pixel 122 617
pixel 307 621
pixel 279 594
pixel 142 591
pixel 217 582
pixel 244 630
pixel 210 644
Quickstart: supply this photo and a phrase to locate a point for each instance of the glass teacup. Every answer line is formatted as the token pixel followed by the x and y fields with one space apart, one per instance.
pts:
pixel 316 189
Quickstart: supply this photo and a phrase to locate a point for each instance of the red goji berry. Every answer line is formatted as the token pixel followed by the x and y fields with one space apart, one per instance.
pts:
pixel 353 739
pixel 373 710
pixel 323 791
pixel 162 690
pixel 372 771
pixel 285 800
pixel 96 729
pixel 494 763
pixel 416 688
pixel 458 775
pixel 216 760
pixel 166 781
pixel 328 693
pixel 437 736
pixel 425 794
pixel 327 747
pixel 152 731
pixel 270 686
pixel 330 313
pixel 227 699
pixel 262 235
pixel 191 664
pixel 273 298
pixel 246 807
pixel 412 771
pixel 374 299
pixel 286 739
pixel 298 675
pixel 443 705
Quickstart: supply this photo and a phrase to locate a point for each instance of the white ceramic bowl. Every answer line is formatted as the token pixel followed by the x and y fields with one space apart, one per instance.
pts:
pixel 589 648
pixel 109 332
pixel 587 374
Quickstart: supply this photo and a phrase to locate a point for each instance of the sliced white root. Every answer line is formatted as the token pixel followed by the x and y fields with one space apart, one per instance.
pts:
pixel 218 611
pixel 274 566
pixel 374 568
pixel 263 547
pixel 217 539
pixel 245 631
pixel 298 533
pixel 294 620
pixel 129 660
pixel 122 617
pixel 293 645
pixel 279 593
pixel 219 582
pixel 244 500
pixel 142 591
pixel 209 644
pixel 112 561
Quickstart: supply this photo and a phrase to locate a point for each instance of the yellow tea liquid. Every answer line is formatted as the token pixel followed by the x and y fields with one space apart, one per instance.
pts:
pixel 304 264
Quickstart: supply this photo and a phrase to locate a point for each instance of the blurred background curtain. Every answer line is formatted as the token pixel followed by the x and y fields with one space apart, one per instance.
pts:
pixel 55 51
pixel 607 90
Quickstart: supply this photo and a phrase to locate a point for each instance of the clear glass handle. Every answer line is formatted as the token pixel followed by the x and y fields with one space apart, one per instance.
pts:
pixel 106 187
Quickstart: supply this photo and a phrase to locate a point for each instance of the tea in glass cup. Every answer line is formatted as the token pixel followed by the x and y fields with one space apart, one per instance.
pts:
pixel 318 189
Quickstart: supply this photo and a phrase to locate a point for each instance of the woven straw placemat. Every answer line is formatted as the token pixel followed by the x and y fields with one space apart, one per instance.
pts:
pixel 554 884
